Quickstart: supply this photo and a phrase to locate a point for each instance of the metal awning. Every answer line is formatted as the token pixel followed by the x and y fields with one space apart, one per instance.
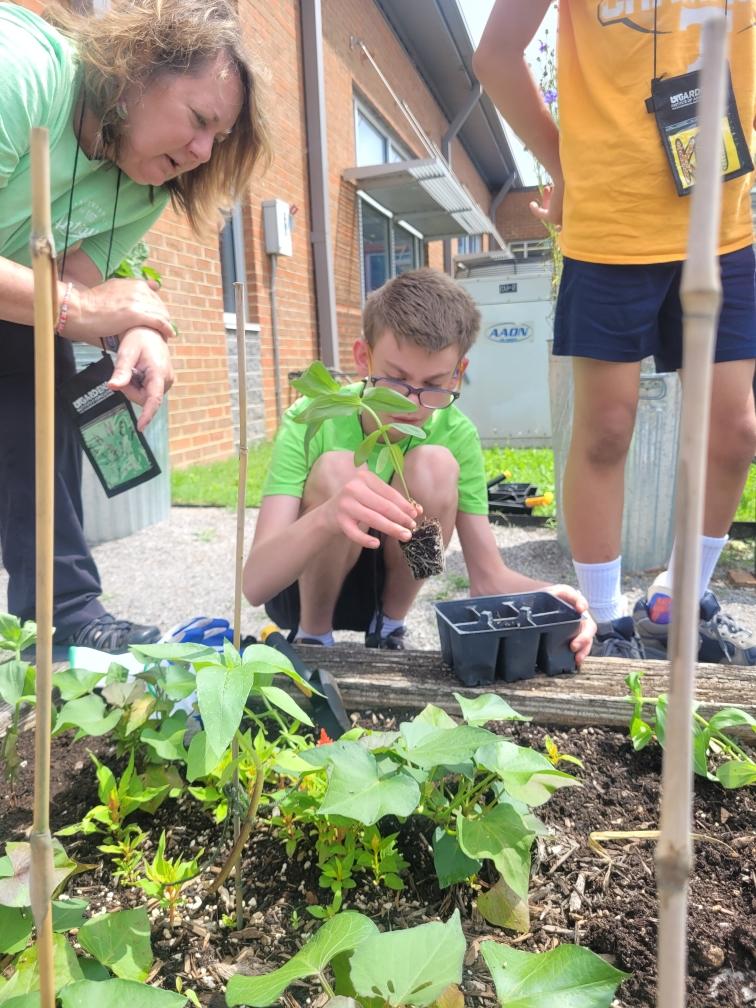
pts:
pixel 427 195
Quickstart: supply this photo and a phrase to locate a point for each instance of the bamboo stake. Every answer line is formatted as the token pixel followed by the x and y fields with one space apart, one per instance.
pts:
pixel 700 293
pixel 45 288
pixel 241 499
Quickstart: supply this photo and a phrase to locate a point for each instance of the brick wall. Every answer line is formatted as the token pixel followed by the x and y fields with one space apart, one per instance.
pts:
pixel 514 219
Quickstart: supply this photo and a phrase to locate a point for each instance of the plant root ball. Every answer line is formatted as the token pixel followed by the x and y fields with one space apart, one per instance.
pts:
pixel 424 552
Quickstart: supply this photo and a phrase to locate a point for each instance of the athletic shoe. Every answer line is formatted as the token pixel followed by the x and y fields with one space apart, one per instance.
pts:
pixel 391 642
pixel 721 639
pixel 106 633
pixel 617 639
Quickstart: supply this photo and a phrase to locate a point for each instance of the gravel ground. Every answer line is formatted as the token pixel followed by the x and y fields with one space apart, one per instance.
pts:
pixel 184 567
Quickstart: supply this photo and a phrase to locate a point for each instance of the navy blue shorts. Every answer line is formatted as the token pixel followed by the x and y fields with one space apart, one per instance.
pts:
pixel 627 312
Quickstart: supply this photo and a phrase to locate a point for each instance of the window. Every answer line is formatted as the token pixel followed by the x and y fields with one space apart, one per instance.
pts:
pixel 469 244
pixel 375 142
pixel 387 246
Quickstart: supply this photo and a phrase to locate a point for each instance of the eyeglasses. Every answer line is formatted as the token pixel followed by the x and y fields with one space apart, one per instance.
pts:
pixel 430 397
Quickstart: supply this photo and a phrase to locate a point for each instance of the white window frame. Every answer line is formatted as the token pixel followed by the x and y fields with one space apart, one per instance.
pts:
pixel 390 139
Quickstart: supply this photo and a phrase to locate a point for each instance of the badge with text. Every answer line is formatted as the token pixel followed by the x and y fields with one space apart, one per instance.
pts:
pixel 119 453
pixel 674 103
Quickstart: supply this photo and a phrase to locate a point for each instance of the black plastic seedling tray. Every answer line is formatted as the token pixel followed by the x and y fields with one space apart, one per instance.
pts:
pixel 507 637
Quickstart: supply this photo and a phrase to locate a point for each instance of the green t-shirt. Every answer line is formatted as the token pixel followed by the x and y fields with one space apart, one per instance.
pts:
pixel 38 87
pixel 289 467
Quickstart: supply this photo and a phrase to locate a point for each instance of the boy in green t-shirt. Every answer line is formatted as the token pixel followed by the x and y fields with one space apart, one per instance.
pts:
pixel 326 549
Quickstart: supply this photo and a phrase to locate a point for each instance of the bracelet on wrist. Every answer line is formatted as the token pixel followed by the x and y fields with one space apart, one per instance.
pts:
pixel 60 325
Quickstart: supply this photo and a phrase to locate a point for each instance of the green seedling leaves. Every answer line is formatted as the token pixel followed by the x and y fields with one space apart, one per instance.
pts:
pixel 88 715
pixel 120 941
pixel 360 790
pixel 222 694
pixel 16 681
pixel 410 430
pixel 316 380
pixel 568 975
pixel 451 863
pixel 16 925
pixel 488 707
pixel 281 699
pixel 501 906
pixel 68 913
pixel 737 773
pixel 15 636
pixel 73 683
pixel 386 400
pixel 15 870
pixel 501 835
pixel 148 653
pixel 447 747
pixel 527 775
pixel 25 978
pixel 731 717
pixel 342 933
pixel 201 760
pixel 116 993
pixel 365 450
pixel 411 967
pixel 429 719
pixel 167 740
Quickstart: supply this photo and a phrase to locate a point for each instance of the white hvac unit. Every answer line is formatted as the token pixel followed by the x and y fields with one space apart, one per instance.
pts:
pixel 505 390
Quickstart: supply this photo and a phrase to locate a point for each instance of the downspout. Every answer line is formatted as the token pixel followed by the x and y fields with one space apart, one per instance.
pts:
pixel 317 173
pixel 499 197
pixel 446 141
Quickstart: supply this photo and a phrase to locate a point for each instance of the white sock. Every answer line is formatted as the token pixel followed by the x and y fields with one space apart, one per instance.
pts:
pixel 711 550
pixel 324 638
pixel 387 627
pixel 600 583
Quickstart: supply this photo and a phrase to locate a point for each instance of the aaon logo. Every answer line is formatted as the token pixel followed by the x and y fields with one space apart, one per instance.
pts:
pixel 510 332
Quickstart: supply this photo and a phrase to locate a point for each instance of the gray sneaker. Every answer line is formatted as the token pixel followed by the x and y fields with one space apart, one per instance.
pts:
pixel 721 639
pixel 617 639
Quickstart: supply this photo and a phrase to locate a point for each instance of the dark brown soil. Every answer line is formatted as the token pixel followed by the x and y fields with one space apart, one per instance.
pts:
pixel 604 901
pixel 424 552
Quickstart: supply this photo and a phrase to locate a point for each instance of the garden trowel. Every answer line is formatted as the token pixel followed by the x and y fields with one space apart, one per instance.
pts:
pixel 328 707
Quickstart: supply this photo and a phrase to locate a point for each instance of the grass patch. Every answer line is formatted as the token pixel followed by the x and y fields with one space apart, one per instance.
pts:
pixel 214 484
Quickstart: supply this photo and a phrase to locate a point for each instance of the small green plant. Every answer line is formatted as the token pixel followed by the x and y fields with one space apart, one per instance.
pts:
pixel 424 552
pixel 716 755
pixel 126 852
pixel 474 786
pixel 422 966
pixel 164 878
pixel 17 687
pixel 328 399
pixel 555 757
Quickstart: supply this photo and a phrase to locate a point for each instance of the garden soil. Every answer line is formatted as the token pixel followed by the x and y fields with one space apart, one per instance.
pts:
pixel 599 897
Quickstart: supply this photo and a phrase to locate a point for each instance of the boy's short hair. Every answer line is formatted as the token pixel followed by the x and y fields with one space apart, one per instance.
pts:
pixel 425 307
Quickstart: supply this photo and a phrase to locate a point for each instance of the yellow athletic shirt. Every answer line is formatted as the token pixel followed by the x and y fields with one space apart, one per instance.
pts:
pixel 620 200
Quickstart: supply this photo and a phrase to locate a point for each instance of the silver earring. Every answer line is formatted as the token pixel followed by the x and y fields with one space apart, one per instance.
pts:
pixel 122 111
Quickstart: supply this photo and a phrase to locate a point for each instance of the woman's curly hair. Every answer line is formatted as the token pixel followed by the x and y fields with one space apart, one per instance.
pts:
pixel 137 41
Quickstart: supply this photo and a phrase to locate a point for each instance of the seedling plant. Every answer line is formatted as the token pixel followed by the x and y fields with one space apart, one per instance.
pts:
pixel 716 754
pixel 425 550
pixel 477 790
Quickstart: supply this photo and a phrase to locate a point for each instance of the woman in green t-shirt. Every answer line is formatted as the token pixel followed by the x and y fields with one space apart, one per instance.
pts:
pixel 150 102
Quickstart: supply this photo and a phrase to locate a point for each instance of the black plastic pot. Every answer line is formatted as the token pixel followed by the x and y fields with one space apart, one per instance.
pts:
pixel 507 637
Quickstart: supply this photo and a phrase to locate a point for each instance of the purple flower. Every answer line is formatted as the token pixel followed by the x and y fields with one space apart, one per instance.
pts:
pixel 542 47
pixel 550 96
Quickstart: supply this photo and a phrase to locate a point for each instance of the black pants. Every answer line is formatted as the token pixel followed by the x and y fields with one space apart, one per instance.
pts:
pixel 76 583
pixel 360 596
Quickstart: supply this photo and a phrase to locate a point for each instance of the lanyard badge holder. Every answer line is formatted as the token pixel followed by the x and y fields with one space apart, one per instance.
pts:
pixel 674 103
pixel 119 453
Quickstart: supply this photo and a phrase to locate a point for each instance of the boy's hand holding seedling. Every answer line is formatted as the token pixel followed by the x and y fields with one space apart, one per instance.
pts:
pixel 367 503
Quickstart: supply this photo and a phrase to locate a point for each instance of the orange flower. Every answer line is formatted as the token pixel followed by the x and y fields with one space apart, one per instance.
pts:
pixel 325 738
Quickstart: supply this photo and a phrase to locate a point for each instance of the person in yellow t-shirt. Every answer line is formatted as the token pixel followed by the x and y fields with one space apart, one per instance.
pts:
pixel 623 234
